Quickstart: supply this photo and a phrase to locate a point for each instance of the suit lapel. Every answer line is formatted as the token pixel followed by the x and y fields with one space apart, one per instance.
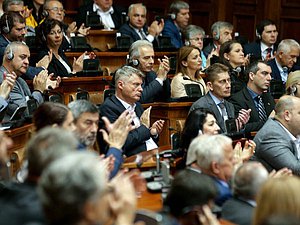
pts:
pixel 213 107
pixel 251 105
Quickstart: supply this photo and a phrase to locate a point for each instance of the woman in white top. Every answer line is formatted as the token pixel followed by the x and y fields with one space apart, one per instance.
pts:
pixel 187 72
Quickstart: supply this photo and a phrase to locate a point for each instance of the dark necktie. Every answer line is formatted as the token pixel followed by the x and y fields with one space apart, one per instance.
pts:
pixel 269 51
pixel 261 109
pixel 223 110
pixel 142 33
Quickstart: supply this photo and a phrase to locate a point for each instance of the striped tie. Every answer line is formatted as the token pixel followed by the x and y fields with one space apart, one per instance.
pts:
pixel 261 109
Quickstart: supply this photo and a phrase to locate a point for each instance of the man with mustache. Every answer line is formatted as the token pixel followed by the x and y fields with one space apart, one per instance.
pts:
pixel 259 78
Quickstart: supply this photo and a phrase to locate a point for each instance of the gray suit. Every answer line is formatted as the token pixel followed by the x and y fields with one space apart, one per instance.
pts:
pixel 275 149
pixel 17 96
pixel 207 102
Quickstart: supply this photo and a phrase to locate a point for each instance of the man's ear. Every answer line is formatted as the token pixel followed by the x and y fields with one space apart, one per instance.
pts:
pixel 251 75
pixel 120 84
pixel 209 85
pixel 287 115
pixel 215 167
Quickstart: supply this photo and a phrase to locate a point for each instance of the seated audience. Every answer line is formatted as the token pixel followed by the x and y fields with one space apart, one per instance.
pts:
pixel 293 83
pixel 277 141
pixel 187 72
pixel 19 202
pixel 232 55
pixel 255 96
pixel 219 85
pixel 111 15
pixel 193 36
pixel 12 27
pixel 278 197
pixel 50 36
pixel 221 32
pixel 5 88
pixel 16 61
pixel 285 59
pixel 189 192
pixel 137 29
pixel 156 86
pixel 54 9
pixel 264 48
pixel 178 21
pixel 246 182
pixel 99 202
pixel 214 155
pixel 128 83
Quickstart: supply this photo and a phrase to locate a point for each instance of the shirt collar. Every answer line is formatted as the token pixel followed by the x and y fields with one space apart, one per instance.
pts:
pixel 263 47
pixel 252 93
pixel 97 8
pixel 126 105
pixel 215 99
pixel 279 66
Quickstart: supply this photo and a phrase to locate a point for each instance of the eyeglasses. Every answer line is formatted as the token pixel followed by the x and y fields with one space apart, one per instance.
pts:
pixel 56 9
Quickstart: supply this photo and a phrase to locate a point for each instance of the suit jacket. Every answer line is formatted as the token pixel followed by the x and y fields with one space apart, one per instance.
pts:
pixel 3 106
pixel 243 100
pixel 172 31
pixel 153 91
pixel 254 49
pixel 238 211
pixel 17 96
pixel 225 192
pixel 31 71
pixel 275 149
pixel 207 102
pixel 135 142
pixel 55 65
pixel 116 16
pixel 275 71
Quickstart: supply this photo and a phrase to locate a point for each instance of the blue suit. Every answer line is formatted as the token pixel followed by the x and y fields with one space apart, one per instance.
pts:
pixel 30 73
pixel 172 31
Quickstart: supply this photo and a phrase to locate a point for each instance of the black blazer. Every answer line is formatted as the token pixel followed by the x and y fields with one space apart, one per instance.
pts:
pixel 116 16
pixel 243 100
pixel 254 49
pixel 135 142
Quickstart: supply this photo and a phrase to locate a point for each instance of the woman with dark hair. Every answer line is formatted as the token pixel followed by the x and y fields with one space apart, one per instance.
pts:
pixel 187 72
pixel 50 36
pixel 232 55
pixel 57 115
pixel 199 121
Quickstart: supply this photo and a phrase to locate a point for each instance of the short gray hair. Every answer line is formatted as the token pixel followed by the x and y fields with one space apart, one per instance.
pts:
pixel 13 46
pixel 69 183
pixel 209 148
pixel 217 26
pixel 193 30
pixel 125 72
pixel 248 179
pixel 286 45
pixel 134 50
pixel 177 5
pixel 7 3
pixel 130 8
pixel 78 107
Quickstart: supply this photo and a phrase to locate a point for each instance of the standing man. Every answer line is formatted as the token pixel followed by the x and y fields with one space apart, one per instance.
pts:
pixel 110 14
pixel 156 85
pixel 179 13
pixel 136 27
pixel 16 61
pixel 218 83
pixel 265 47
pixel 277 142
pixel 285 59
pixel 128 83
pixel 255 96
pixel 221 32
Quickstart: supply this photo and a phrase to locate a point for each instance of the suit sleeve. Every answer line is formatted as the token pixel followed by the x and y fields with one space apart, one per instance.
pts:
pixel 150 91
pixel 169 31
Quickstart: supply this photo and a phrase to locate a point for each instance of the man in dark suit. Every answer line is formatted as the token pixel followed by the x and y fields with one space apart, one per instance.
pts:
pixel 285 59
pixel 156 85
pixel 111 15
pixel 178 21
pixel 218 83
pixel 136 27
pixel 265 47
pixel 247 181
pixel 221 32
pixel 259 77
pixel 277 142
pixel 128 84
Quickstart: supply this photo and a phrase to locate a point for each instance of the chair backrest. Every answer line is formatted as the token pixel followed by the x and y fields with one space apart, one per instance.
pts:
pixel 193 90
pixel 148 217
pixel 56 98
pixel 108 93
pixel 276 88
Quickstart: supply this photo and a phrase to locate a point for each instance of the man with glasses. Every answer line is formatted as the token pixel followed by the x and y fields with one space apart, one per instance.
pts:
pixel 53 9
pixel 128 84
pixel 179 19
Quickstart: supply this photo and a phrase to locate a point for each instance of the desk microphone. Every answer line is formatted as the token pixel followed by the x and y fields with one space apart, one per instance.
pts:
pixel 186 78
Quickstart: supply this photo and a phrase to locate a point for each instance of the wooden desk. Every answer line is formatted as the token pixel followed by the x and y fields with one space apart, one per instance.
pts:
pixel 170 112
pixel 20 137
pixel 102 39
pixel 151 201
pixel 114 60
